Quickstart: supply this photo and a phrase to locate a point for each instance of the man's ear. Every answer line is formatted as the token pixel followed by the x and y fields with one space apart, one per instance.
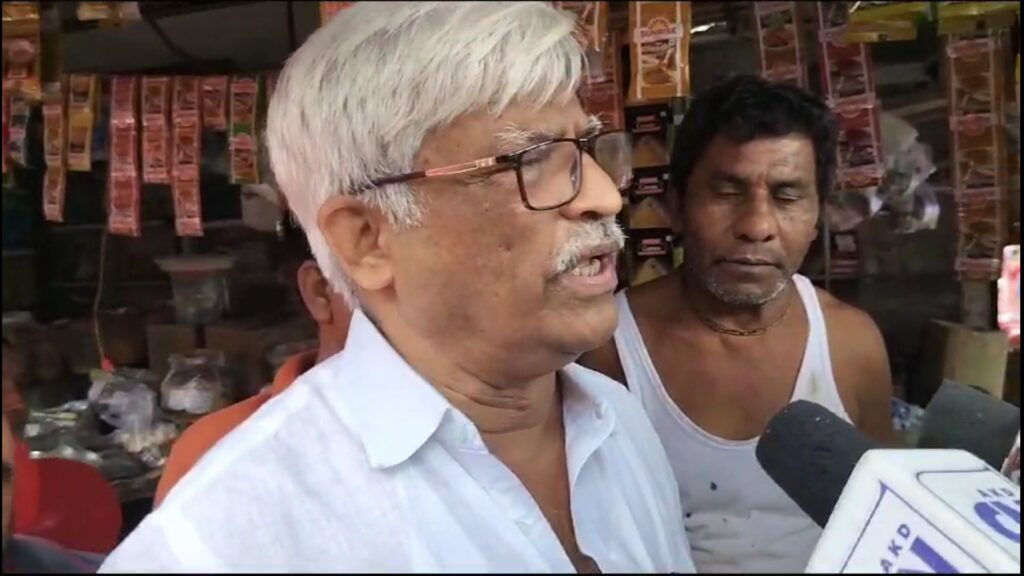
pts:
pixel 315 292
pixel 359 236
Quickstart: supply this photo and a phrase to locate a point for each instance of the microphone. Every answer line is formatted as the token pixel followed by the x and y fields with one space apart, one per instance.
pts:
pixel 887 511
pixel 964 418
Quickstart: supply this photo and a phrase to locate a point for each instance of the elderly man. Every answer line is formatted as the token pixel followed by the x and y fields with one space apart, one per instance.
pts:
pixel 718 347
pixel 454 191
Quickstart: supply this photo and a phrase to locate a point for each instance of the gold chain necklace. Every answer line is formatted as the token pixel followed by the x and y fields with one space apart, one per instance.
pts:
pixel 715 326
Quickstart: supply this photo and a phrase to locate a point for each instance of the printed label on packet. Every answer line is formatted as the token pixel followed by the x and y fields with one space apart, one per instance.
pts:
pixel 188 220
pixel 215 99
pixel 123 204
pixel 54 186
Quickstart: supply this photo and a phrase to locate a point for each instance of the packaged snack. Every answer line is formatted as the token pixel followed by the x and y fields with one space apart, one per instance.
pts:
pixel 94 11
pixel 215 99
pixel 649 212
pixel 981 219
pixel 649 126
pixel 244 139
pixel 83 94
pixel 22 62
pixel 20 11
pixel 156 132
pixel 1009 294
pixel 975 77
pixel 123 204
pixel 649 182
pixel 54 125
pixel 859 140
pixel 778 37
pixel 17 130
pixel 54 184
pixel 659 50
pixel 846 68
pixel 653 254
pixel 186 98
pixel 188 220
pixel 187 136
pixel 22 50
pixel 977 151
pixel 329 9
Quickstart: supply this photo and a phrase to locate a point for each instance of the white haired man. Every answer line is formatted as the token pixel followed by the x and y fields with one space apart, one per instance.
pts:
pixel 453 190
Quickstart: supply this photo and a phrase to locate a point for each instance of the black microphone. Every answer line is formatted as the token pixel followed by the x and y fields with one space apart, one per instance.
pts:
pixel 960 417
pixel 811 453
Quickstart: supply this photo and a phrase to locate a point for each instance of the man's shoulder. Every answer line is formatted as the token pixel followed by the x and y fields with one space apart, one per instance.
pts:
pixel 281 482
pixel 846 321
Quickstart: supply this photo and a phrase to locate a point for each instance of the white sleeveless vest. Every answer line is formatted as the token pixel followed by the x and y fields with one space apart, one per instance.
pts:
pixel 737 519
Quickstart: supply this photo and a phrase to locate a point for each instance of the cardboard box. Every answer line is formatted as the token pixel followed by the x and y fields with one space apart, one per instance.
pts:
pixel 246 343
pixel 164 340
pixel 971 357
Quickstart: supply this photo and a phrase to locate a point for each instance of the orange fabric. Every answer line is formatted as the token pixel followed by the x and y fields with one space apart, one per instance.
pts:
pixel 208 430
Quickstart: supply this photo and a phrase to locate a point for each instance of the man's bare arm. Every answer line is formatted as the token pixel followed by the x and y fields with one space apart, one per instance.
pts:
pixel 861 365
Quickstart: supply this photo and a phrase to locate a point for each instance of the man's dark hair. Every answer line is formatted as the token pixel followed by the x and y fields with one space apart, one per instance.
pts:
pixel 745 108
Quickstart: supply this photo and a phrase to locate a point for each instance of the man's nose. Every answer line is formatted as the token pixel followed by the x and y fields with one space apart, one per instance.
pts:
pixel 598 197
pixel 757 220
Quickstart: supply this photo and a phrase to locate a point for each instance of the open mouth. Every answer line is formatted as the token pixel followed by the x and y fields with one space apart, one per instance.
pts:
pixel 595 273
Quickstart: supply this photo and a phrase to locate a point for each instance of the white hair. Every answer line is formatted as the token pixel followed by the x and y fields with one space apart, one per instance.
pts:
pixel 357 100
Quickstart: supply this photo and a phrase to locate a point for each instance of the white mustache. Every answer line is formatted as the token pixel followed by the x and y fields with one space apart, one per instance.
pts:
pixel 588 237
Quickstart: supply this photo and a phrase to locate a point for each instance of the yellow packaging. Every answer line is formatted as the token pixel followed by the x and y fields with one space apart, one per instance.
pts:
pixel 659 50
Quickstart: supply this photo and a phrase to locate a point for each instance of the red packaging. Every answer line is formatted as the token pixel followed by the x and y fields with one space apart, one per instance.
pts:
pixel 604 99
pixel 6 110
pixel 982 231
pixel 1009 294
pixel 778 40
pixel 54 187
pixel 860 150
pixel 156 133
pixel 846 69
pixel 186 151
pixel 186 97
pixel 215 98
pixel 124 186
pixel 123 204
pixel 977 151
pixel 188 217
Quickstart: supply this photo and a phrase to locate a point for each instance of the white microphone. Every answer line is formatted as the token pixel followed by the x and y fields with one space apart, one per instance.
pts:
pixel 891 511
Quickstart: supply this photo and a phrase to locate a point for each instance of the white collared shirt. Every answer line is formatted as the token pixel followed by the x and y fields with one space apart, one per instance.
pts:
pixel 363 466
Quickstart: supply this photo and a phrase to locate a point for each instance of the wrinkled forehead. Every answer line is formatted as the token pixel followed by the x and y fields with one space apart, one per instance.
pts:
pixel 788 157
pixel 483 134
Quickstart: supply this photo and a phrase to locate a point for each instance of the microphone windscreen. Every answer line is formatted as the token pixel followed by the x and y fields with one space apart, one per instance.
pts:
pixel 960 417
pixel 811 453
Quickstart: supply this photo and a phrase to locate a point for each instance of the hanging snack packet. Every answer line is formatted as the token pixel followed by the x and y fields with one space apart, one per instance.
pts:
pixel 244 143
pixel 156 133
pixel 54 189
pixel 659 50
pixel 778 40
pixel 83 92
pixel 215 98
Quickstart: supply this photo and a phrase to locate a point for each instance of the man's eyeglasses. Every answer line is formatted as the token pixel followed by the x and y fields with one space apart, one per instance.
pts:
pixel 550 174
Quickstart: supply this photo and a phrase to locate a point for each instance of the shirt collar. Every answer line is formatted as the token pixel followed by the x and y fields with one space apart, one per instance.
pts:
pixel 389 406
pixel 394 411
